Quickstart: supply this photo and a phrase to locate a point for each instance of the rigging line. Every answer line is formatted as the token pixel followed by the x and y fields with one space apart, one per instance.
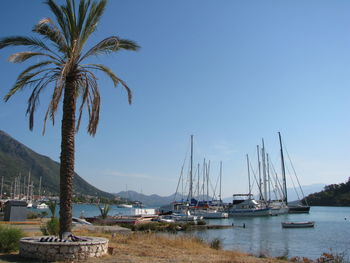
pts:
pixel 257 183
pixel 194 180
pixel 277 181
pixel 295 174
pixel 187 182
pixel 273 180
pixel 291 179
pixel 181 174
pixel 214 190
pixel 252 185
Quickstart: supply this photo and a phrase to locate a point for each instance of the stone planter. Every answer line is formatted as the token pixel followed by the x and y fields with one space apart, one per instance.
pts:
pixel 30 247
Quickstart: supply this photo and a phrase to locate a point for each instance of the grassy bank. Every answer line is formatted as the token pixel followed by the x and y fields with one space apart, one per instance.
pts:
pixel 142 247
pixel 150 247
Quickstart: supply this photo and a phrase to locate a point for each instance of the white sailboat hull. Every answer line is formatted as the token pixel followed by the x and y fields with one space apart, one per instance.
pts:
pixel 249 212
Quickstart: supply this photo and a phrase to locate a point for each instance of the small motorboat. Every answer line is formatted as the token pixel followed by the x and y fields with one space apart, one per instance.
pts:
pixel 42 206
pixel 298 224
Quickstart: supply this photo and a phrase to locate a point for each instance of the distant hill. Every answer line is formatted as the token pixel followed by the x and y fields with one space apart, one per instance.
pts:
pixel 156 200
pixel 148 200
pixel 151 200
pixel 17 159
pixel 332 195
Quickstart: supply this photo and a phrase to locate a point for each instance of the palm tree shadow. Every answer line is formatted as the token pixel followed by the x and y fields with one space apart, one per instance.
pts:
pixel 15 258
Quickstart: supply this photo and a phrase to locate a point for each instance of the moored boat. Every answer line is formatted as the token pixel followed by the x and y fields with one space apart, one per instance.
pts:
pixel 247 207
pixel 209 213
pixel 124 206
pixel 42 206
pixel 298 224
pixel 298 209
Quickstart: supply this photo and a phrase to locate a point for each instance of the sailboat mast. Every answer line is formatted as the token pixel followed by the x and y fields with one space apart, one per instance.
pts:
pixel 268 175
pixel 283 171
pixel 28 188
pixel 2 186
pixel 208 170
pixel 220 180
pixel 263 155
pixel 249 185
pixel 204 173
pixel 40 188
pixel 191 170
pixel 259 166
pixel 198 175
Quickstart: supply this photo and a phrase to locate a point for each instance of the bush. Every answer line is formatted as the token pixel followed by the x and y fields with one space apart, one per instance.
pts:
pixel 32 215
pixel 215 243
pixel 9 239
pixel 52 207
pixel 43 214
pixel 52 227
pixel 104 210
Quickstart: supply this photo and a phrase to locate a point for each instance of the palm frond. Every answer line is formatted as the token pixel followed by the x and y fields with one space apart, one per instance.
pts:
pixel 56 97
pixel 34 97
pixel 22 81
pixel 84 98
pixel 23 41
pixel 96 11
pixel 90 97
pixel 23 56
pixel 57 11
pixel 113 77
pixel 83 8
pixel 70 19
pixel 47 28
pixel 95 111
pixel 109 45
pixel 35 66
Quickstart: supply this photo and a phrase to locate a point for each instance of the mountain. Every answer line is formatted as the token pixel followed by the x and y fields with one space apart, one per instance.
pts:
pixel 331 195
pixel 148 200
pixel 17 159
pixel 154 200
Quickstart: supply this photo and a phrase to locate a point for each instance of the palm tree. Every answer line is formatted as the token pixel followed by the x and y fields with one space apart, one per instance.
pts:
pixel 61 49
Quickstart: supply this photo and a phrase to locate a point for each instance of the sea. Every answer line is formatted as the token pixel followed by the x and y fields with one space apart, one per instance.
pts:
pixel 264 236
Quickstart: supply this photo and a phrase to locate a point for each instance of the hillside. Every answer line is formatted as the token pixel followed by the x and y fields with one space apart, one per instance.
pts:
pixel 17 159
pixel 332 195
pixel 148 200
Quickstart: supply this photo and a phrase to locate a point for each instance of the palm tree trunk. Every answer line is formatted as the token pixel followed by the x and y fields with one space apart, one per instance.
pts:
pixel 67 158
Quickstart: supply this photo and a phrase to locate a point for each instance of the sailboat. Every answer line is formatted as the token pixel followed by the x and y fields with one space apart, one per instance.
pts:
pixel 245 204
pixel 127 197
pixel 298 208
pixel 200 209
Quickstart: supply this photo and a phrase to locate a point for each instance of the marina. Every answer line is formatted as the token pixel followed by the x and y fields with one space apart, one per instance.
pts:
pixel 265 236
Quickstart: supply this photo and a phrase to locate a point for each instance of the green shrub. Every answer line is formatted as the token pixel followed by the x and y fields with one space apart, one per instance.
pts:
pixel 9 239
pixel 43 214
pixel 32 215
pixel 215 243
pixel 52 207
pixel 151 226
pixel 52 227
pixel 104 211
pixel 201 222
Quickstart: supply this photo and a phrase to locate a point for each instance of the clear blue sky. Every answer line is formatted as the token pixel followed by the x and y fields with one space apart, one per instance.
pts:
pixel 229 72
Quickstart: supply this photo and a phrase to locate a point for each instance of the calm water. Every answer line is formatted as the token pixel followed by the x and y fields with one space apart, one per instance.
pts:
pixel 264 235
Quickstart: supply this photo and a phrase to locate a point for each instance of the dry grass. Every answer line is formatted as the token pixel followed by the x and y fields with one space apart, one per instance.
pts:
pixel 148 247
